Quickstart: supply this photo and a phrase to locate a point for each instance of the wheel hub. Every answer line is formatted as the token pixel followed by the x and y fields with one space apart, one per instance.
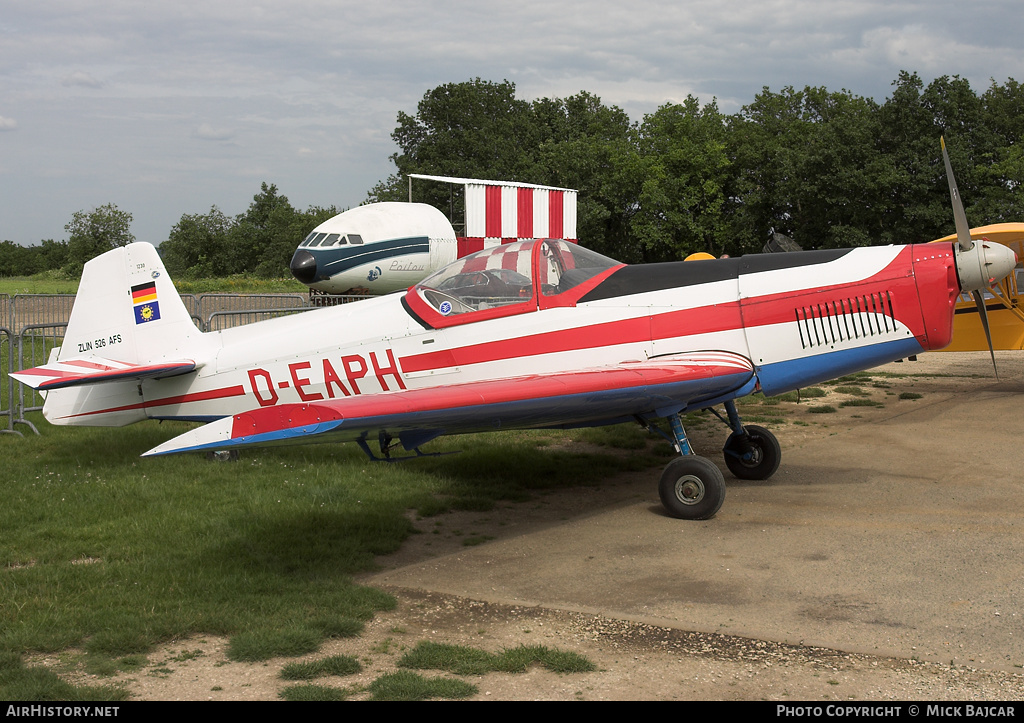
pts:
pixel 689 489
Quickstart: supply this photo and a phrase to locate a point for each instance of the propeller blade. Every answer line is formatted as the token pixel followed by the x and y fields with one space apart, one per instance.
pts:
pixel 963 230
pixel 979 301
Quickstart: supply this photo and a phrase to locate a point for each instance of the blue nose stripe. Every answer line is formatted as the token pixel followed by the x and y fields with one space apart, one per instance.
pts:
pixel 337 260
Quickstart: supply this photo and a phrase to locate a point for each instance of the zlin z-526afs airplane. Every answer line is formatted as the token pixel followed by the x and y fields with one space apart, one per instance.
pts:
pixel 531 334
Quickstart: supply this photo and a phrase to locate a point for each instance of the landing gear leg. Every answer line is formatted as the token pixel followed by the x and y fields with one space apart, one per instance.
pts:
pixel 691 487
pixel 751 452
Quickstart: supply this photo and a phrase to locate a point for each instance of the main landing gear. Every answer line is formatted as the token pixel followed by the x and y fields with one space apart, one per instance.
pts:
pixel 693 488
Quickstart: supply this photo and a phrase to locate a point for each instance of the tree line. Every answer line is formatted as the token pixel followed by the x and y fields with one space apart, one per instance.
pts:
pixel 829 169
pixel 258 242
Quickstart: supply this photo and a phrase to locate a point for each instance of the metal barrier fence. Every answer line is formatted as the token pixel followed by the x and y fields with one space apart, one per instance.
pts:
pixel 35 324
pixel 27 309
pixel 219 320
pixel 34 341
pixel 6 383
pixel 21 310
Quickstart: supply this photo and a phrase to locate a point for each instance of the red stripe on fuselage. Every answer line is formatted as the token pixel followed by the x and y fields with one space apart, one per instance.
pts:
pixel 222 393
pixel 758 311
pixel 720 317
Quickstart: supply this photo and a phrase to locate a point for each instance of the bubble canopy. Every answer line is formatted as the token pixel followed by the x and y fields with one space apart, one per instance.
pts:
pixel 508 279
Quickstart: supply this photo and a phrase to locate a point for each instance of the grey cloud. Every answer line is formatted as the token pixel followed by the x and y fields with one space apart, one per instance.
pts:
pixel 209 133
pixel 81 78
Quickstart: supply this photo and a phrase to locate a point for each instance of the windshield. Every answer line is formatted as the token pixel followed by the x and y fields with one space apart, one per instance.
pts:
pixel 485 280
pixel 504 277
pixel 565 266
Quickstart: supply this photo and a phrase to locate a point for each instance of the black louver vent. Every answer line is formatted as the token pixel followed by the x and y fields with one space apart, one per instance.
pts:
pixel 857 317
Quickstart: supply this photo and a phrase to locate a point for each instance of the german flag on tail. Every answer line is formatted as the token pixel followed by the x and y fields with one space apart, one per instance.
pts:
pixel 145 303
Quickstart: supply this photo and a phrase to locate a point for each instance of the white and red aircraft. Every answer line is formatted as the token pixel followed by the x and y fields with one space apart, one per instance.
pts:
pixel 537 333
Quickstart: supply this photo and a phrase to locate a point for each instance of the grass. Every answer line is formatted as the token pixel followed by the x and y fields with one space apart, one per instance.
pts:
pixel 112 554
pixel 405 685
pixel 852 391
pixel 338 665
pixel 311 692
pixel 45 283
pixel 53 283
pixel 463 660
pixel 18 682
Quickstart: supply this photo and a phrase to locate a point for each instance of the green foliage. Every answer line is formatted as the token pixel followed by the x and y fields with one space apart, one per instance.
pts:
pixel 829 169
pixel 258 242
pixel 684 168
pixel 17 260
pixel 95 232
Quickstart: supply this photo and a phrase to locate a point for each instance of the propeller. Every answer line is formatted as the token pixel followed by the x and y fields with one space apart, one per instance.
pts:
pixel 978 265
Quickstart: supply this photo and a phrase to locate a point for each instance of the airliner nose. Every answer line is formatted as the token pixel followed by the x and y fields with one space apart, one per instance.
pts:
pixel 303 266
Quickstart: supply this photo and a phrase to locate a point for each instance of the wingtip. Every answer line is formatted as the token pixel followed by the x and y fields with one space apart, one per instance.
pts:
pixel 215 435
pixel 281 425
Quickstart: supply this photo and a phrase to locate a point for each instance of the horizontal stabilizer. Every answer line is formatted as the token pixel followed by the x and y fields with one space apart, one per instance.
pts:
pixel 94 370
pixel 628 389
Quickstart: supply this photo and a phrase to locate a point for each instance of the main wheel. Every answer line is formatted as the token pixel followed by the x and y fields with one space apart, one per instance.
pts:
pixel 692 488
pixel 754 456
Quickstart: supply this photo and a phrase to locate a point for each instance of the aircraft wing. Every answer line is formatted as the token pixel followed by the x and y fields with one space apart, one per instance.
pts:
pixel 657 386
pixel 95 370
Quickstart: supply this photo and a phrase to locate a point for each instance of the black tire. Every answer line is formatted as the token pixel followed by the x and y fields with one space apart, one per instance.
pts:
pixel 692 488
pixel 765 454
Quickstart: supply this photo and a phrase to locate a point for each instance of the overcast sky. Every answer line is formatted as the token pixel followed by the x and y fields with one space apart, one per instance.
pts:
pixel 169 108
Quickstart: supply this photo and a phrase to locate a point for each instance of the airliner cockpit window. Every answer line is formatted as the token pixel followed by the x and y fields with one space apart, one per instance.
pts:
pixel 490 279
pixel 317 239
pixel 332 238
pixel 354 238
pixel 564 266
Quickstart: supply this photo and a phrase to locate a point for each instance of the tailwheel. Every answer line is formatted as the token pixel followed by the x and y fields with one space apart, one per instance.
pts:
pixel 753 454
pixel 692 488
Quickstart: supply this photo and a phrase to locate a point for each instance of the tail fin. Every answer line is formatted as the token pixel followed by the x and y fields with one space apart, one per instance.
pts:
pixel 128 324
pixel 128 309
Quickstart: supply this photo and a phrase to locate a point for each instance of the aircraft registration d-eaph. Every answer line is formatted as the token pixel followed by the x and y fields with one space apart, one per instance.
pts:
pixel 536 333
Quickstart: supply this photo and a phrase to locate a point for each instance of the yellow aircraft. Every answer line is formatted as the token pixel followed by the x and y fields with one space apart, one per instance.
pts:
pixel 1002 301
